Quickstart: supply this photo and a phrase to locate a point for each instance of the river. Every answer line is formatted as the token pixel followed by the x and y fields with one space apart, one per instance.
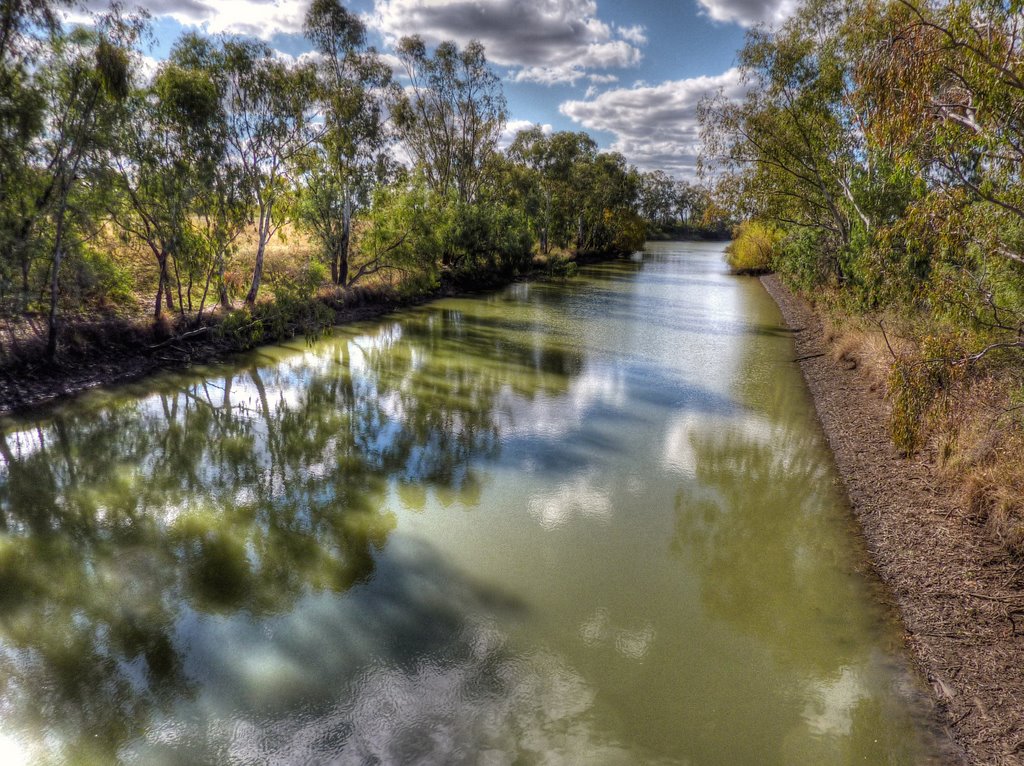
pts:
pixel 584 522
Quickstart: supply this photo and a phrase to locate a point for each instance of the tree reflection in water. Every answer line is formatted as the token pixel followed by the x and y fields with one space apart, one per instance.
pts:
pixel 234 495
pixel 763 523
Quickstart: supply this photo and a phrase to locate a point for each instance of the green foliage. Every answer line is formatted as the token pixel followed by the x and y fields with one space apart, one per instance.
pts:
pixel 917 383
pixel 560 267
pixel 481 238
pixel 753 248
pixel 295 310
pixel 100 279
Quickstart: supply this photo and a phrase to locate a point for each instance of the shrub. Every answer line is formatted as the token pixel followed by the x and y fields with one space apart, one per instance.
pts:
pixel 100 279
pixel 753 248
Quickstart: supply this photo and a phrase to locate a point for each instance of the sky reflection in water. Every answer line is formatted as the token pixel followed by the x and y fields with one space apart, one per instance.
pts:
pixel 574 522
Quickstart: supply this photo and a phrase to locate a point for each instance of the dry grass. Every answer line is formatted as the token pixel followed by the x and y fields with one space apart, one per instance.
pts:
pixel 974 430
pixel 860 346
pixel 979 441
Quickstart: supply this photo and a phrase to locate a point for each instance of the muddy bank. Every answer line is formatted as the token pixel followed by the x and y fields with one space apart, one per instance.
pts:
pixel 959 596
pixel 123 352
pixel 107 353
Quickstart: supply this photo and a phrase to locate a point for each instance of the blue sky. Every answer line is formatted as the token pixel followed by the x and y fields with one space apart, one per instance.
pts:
pixel 629 72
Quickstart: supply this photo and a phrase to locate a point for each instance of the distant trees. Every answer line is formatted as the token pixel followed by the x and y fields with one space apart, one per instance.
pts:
pixel 198 166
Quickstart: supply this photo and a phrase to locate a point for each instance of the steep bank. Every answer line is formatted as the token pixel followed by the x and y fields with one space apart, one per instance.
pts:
pixel 964 619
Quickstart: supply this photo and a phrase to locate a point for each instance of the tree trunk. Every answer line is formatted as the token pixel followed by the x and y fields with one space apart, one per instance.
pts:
pixel 58 256
pixel 544 247
pixel 177 281
pixel 163 289
pixel 257 270
pixel 222 288
pixel 346 230
pixel 257 273
pixel 25 289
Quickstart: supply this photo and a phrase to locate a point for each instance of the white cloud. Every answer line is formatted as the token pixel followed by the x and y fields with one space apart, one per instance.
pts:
pixel 747 13
pixel 512 127
pixel 545 41
pixel 655 126
pixel 258 18
pixel 635 34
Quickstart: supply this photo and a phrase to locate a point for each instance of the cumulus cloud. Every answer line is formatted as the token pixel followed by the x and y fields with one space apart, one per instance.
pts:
pixel 655 126
pixel 635 34
pixel 747 13
pixel 257 18
pixel 544 41
pixel 512 127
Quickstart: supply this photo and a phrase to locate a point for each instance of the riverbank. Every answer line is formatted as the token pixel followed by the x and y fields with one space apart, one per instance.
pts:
pixel 954 588
pixel 122 351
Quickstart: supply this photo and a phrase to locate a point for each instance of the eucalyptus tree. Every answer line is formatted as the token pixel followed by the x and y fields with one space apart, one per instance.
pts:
pixel 269 124
pixel 26 29
pixel 946 81
pixel 531 150
pixel 351 158
pixel 790 148
pixel 86 76
pixel 171 140
pixel 451 115
pixel 658 198
pixel 691 200
pixel 558 160
pixel 608 217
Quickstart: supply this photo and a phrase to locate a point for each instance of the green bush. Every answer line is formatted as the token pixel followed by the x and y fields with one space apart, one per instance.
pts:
pixel 753 248
pixel 100 279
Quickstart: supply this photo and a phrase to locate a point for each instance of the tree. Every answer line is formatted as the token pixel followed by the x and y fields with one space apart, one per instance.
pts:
pixel 267 105
pixel 946 86
pixel 451 116
pixel 86 74
pixel 791 155
pixel 172 138
pixel 350 159
pixel 658 197
pixel 27 28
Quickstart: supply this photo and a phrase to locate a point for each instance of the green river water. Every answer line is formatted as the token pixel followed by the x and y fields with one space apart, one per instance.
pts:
pixel 581 522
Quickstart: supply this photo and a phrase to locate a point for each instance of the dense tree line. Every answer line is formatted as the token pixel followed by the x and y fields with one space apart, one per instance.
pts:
pixel 877 160
pixel 227 147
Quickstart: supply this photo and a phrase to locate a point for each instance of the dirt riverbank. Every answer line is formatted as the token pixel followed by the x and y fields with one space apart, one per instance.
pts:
pixel 128 351
pixel 125 351
pixel 959 596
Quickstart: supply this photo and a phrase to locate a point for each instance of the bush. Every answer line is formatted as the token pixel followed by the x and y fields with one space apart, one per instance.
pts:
pixel 753 248
pixel 100 279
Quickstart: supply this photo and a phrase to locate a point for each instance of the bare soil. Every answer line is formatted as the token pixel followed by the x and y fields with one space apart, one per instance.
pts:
pixel 122 351
pixel 958 593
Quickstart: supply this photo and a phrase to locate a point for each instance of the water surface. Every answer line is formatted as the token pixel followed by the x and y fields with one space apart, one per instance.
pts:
pixel 589 522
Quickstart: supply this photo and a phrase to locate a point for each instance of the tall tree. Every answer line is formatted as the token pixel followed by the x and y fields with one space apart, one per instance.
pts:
pixel 86 76
pixel 27 29
pixel 789 147
pixel 451 116
pixel 351 158
pixel 171 139
pixel 269 123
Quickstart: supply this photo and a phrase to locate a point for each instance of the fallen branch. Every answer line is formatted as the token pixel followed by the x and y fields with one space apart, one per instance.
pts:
pixel 176 338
